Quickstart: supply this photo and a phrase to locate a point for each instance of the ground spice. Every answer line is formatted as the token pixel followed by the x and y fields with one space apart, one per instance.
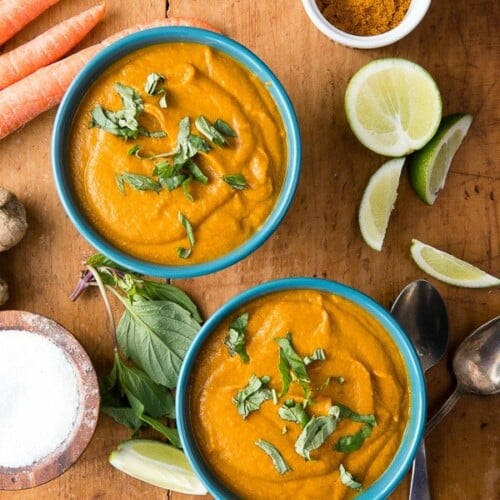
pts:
pixel 364 17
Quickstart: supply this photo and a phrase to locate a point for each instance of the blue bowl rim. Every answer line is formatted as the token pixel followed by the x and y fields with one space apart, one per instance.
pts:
pixel 93 69
pixel 392 476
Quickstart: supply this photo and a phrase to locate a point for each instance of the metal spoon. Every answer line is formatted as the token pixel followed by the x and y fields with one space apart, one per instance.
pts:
pixel 421 312
pixel 477 367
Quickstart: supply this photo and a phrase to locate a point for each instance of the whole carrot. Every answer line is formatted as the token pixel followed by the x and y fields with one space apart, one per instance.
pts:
pixel 47 47
pixel 24 100
pixel 16 14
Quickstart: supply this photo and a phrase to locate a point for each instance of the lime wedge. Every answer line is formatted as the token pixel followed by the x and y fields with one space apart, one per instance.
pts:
pixel 449 269
pixel 393 106
pixel 157 463
pixel 429 166
pixel 378 201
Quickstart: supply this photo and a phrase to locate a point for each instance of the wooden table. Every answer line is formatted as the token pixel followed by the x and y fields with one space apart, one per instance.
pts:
pixel 458 43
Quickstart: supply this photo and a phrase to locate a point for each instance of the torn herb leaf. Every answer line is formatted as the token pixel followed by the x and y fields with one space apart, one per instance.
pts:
pixel 348 444
pixel 152 81
pixel 224 128
pixel 137 181
pixel 278 461
pixel 184 253
pixel 235 338
pixel 317 355
pixel 236 181
pixel 314 434
pixel 346 412
pixel 294 412
pixel 209 131
pixel 252 395
pixel 347 479
pixel 291 365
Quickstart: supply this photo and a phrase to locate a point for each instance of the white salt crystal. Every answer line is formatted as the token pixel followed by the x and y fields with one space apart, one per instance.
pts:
pixel 38 397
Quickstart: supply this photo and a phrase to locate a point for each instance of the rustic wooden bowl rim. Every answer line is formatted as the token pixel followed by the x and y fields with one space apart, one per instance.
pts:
pixel 66 454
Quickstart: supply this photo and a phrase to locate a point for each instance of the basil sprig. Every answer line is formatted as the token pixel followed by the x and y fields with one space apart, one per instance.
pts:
pixel 235 338
pixel 251 397
pixel 158 325
pixel 278 461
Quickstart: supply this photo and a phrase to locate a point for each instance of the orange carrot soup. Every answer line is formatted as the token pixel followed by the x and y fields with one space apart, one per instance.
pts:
pixel 177 154
pixel 299 394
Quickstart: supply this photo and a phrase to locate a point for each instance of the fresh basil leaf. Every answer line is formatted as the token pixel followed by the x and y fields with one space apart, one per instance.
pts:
pixel 347 479
pixel 209 131
pixel 154 290
pixel 152 82
pixel 131 99
pixel 290 364
pixel 348 444
pixel 123 415
pixel 294 412
pixel 188 227
pixel 224 128
pixel 156 335
pixel 346 412
pixel 195 172
pixel 278 461
pixel 134 151
pixel 169 432
pixel 236 181
pixel 184 253
pixel 317 355
pixel 314 434
pixel 137 181
pixel 235 338
pixel 143 394
pixel 252 395
pixel 198 145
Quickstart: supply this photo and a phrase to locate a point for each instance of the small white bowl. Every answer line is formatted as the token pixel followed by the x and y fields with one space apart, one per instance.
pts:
pixel 416 12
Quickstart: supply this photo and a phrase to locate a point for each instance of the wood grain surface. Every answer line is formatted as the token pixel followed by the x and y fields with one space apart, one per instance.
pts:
pixel 458 43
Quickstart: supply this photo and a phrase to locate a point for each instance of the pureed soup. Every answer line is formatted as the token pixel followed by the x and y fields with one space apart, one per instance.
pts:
pixel 299 394
pixel 177 154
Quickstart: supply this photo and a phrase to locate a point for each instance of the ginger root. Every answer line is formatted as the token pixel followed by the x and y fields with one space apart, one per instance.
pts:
pixel 13 227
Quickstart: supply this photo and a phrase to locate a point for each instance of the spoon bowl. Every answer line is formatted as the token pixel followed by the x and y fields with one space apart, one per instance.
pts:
pixel 477 367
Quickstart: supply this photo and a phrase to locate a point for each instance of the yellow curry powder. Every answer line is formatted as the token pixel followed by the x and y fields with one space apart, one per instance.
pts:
pixel 364 17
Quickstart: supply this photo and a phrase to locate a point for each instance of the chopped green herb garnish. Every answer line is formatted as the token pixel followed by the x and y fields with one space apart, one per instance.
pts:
pixel 294 412
pixel 291 365
pixel 252 395
pixel 346 478
pixel 209 131
pixel 236 181
pixel 123 122
pixel 137 181
pixel 278 461
pixel 235 338
pixel 152 82
pixel 184 253
pixel 317 355
pixel 224 128
pixel 314 434
pixel 350 443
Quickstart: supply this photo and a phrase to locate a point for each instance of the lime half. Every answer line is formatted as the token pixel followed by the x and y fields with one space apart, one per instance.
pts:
pixel 393 106
pixel 429 166
pixel 378 201
pixel 157 463
pixel 450 269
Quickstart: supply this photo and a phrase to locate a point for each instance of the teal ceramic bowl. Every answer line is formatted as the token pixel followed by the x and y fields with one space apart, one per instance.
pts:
pixel 392 476
pixel 69 106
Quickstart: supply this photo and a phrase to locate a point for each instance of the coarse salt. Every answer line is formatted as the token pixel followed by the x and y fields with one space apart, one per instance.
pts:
pixel 39 397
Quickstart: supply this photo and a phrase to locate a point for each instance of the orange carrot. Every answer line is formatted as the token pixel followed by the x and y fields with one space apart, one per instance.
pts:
pixel 43 89
pixel 16 14
pixel 48 47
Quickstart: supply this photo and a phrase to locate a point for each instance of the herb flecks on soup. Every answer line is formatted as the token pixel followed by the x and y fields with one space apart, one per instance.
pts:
pixel 299 393
pixel 177 154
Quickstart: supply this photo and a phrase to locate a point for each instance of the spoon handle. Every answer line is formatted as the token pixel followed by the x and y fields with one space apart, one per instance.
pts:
pixel 443 411
pixel 419 486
